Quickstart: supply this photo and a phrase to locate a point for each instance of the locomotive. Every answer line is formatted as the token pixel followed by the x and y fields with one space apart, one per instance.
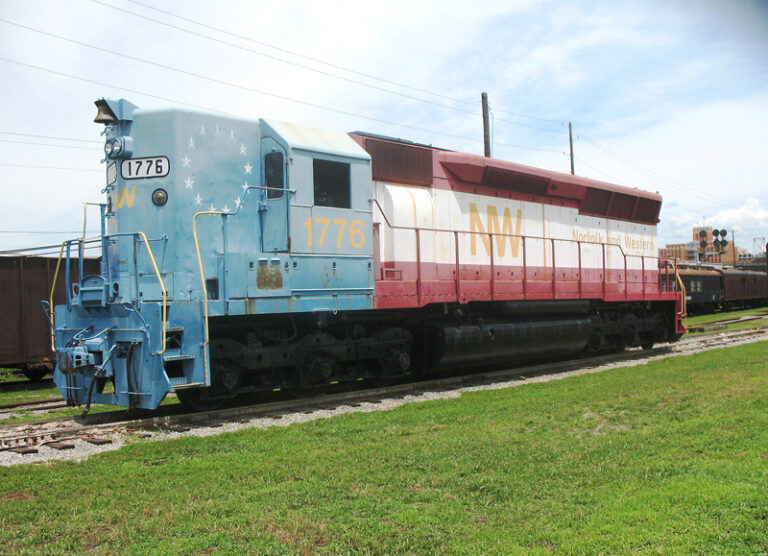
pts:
pixel 255 255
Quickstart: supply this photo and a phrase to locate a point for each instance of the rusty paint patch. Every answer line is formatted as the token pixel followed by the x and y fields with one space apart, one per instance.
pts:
pixel 269 277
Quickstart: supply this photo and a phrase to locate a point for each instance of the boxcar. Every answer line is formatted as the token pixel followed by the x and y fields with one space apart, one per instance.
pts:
pixel 25 335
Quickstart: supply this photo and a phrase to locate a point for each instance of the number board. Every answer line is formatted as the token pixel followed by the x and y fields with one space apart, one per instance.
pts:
pixel 151 167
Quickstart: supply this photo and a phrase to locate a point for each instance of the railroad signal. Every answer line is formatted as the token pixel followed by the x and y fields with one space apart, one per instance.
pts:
pixel 719 243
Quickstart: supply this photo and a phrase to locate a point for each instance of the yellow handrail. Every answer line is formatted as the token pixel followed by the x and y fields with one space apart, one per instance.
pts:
pixel 205 289
pixel 157 275
pixel 160 280
pixel 683 299
pixel 51 312
pixel 86 204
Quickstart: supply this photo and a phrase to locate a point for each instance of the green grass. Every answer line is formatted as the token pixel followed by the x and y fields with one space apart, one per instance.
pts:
pixel 23 414
pixel 668 457
pixel 10 375
pixel 713 318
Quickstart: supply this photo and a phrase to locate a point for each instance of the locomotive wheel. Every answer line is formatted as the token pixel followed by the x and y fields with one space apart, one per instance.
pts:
pixel 199 399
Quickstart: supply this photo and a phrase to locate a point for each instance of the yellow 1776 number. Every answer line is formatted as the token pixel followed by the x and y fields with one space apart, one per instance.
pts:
pixel 356 235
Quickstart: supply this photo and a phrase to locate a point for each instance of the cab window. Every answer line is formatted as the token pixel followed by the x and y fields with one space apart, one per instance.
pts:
pixel 331 184
pixel 273 174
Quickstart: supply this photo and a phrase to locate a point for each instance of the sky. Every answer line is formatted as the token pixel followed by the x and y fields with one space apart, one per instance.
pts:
pixel 668 96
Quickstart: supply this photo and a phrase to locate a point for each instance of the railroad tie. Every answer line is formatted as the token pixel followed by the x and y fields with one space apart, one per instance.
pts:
pixel 23 450
pixel 60 445
pixel 97 441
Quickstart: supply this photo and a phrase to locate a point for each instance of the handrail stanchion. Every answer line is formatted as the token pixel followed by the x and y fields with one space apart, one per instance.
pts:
pixel 458 267
pixel 52 313
pixel 525 270
pixel 626 279
pixel 418 266
pixel 493 269
pixel 554 271
pixel 162 285
pixel 605 276
pixel 206 363
pixel 581 293
pixel 67 277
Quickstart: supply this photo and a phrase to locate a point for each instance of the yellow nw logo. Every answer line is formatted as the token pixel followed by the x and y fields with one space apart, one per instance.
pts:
pixel 476 229
pixel 125 197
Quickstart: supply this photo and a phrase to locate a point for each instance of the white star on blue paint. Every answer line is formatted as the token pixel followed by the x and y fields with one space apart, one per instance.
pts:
pixel 232 134
pixel 202 130
pixel 212 208
pixel 191 143
pixel 248 167
pixel 198 199
pixel 246 186
pixel 189 181
pixel 186 161
pixel 225 209
pixel 243 150
pixel 237 203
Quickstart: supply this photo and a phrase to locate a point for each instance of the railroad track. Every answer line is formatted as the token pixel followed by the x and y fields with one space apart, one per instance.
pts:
pixel 97 428
pixel 48 403
pixel 25 385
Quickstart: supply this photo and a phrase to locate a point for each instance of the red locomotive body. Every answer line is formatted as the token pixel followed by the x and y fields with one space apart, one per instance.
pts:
pixel 459 228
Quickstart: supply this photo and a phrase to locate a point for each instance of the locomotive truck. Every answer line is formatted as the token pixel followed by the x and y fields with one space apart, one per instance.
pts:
pixel 251 255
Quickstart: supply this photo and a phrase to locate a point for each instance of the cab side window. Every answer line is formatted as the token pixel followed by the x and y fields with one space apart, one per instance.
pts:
pixel 274 174
pixel 332 187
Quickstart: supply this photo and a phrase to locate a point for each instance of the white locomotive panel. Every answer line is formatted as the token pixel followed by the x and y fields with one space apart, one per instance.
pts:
pixel 439 213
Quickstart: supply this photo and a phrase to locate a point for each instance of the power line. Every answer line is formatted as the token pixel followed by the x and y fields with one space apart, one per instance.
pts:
pixel 283 60
pixel 49 137
pixel 31 232
pixel 289 99
pixel 609 176
pixel 326 63
pixel 652 174
pixel 47 250
pixel 103 84
pixel 48 167
pixel 304 56
pixel 184 72
pixel 45 144
pixel 277 58
pixel 531 117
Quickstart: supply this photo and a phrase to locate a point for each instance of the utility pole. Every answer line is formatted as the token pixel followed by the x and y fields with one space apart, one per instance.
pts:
pixel 570 142
pixel 486 129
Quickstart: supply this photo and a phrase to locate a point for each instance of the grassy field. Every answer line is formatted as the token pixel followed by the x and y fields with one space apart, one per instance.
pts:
pixel 703 320
pixel 668 458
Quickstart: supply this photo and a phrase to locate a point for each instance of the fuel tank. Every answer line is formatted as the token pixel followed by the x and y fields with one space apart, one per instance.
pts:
pixel 493 343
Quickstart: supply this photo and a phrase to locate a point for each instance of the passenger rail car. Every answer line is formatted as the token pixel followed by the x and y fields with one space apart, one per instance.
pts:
pixel 709 288
pixel 244 255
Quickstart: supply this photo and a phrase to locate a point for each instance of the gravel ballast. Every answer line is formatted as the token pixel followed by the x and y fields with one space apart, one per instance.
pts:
pixel 83 449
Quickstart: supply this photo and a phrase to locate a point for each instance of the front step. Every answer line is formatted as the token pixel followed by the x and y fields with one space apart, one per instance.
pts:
pixel 176 356
pixel 181 384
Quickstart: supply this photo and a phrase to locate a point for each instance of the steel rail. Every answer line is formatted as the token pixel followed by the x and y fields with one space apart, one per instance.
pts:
pixel 105 423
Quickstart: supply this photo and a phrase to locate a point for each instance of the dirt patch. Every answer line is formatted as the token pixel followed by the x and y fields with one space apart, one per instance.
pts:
pixel 17 495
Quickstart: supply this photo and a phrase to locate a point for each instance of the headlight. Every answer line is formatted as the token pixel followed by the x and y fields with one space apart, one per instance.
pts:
pixel 117 147
pixel 159 197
